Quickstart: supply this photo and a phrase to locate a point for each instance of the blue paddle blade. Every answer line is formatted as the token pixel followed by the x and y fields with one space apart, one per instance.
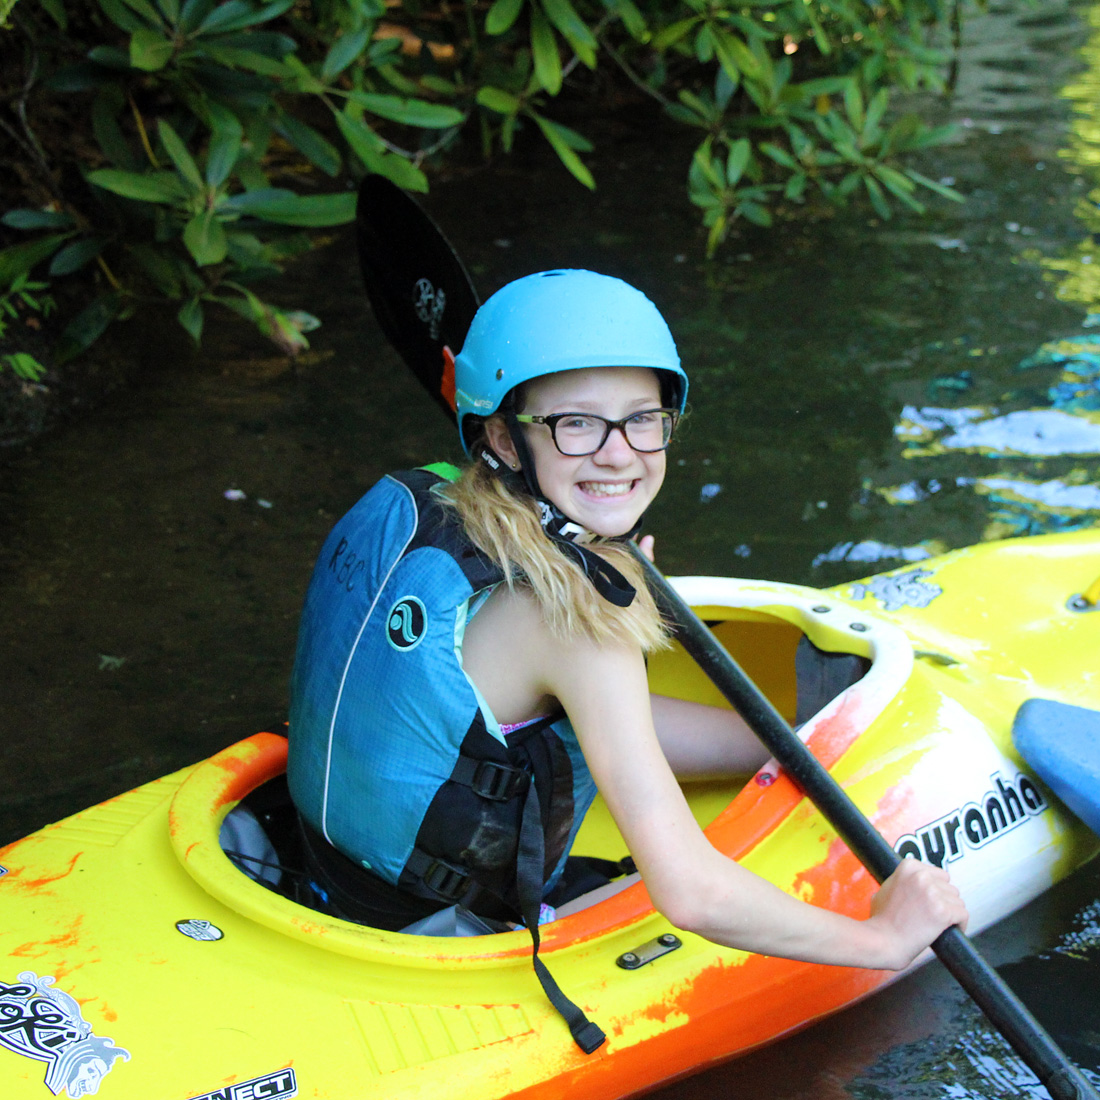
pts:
pixel 420 291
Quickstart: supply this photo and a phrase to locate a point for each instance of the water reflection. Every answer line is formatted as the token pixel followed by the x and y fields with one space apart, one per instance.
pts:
pixel 1024 454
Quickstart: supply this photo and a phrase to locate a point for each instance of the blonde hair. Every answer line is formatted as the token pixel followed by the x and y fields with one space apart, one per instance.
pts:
pixel 505 526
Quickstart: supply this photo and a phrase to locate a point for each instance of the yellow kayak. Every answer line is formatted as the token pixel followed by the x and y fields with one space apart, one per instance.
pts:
pixel 138 962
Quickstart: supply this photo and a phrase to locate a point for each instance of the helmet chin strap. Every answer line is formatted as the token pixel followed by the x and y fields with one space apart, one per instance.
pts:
pixel 572 538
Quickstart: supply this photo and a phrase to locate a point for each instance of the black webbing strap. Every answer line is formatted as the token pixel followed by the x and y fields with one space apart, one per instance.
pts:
pixel 529 871
pixel 605 578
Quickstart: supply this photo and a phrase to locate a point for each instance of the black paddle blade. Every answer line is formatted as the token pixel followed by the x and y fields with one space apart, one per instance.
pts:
pixel 421 293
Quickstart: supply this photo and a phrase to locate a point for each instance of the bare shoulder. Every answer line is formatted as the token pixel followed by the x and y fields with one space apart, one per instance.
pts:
pixel 518 663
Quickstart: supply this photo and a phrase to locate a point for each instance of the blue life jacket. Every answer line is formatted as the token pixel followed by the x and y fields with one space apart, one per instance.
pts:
pixel 395 758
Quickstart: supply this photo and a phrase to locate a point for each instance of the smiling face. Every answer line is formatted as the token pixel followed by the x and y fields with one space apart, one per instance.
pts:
pixel 607 491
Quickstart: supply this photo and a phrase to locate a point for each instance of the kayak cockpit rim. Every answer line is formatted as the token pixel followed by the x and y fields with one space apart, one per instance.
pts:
pixel 733 608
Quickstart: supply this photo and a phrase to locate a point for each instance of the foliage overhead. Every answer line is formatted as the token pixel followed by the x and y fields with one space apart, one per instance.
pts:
pixel 181 150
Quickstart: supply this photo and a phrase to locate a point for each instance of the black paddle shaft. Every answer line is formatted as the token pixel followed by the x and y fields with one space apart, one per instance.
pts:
pixel 984 985
pixel 406 263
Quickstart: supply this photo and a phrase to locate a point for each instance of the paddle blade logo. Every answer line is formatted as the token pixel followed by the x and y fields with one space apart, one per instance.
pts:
pixel 430 302
pixel 46 1024
pixel 406 624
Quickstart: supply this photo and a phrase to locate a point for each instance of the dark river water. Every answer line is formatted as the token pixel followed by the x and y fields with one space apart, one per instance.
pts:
pixel 863 395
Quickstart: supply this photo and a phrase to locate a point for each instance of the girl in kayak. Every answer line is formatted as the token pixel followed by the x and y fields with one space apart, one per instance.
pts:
pixel 471 662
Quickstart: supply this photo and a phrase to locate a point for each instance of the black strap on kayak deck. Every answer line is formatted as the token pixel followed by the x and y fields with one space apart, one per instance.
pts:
pixel 529 875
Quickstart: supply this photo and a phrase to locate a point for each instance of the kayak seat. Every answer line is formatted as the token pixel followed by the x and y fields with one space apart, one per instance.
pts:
pixel 821 676
pixel 1062 744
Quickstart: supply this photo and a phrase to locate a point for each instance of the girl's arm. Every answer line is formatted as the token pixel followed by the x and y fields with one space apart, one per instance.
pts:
pixel 604 691
pixel 701 741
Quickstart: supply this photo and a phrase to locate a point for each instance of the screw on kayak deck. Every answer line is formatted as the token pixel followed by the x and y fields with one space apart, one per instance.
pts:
pixel 652 949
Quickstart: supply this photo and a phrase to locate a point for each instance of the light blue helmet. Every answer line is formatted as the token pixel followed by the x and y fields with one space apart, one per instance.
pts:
pixel 557 321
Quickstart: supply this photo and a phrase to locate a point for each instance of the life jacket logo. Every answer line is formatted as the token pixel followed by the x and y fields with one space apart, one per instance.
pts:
pixel 46 1024
pixel 406 624
pixel 430 302
pixel 976 824
pixel 272 1086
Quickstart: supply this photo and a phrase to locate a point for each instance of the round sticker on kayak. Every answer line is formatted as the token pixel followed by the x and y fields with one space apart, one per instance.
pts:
pixel 406 624
pixel 199 929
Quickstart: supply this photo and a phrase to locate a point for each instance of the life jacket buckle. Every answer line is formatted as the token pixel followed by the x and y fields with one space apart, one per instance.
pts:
pixel 447 882
pixel 498 782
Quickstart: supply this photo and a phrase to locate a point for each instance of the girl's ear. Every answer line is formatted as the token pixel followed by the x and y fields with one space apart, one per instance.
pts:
pixel 499 438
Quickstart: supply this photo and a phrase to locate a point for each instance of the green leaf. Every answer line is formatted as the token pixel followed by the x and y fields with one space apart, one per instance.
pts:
pixel 411 112
pixel 170 9
pixel 364 142
pixel 632 18
pixel 168 271
pixel 271 44
pixel 74 256
pixel 853 105
pixel 225 144
pixel 755 213
pixel 878 199
pixel 204 238
pixel 344 51
pixel 544 52
pixel 36 219
pixel 779 155
pixel 108 132
pixel 371 150
pixel 79 77
pixel 235 15
pixel 146 10
pixel 88 326
pixel 24 366
pixel 899 185
pixel 738 159
pixel 497 99
pixel 402 172
pixel 123 17
pixel 181 158
pixel 502 15
pixel 110 57
pixel 191 317
pixel 159 187
pixel 733 55
pixel 705 166
pixel 560 138
pixel 18 259
pixel 317 149
pixel 56 10
pixel 249 60
pixel 193 13
pixel 256 202
pixel 574 29
pixel 150 50
pixel 673 33
pixel 796 187
pixel 934 185
pixel 872 129
pixel 312 210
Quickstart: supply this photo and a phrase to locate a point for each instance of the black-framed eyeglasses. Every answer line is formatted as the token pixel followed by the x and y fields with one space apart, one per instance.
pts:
pixel 578 434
